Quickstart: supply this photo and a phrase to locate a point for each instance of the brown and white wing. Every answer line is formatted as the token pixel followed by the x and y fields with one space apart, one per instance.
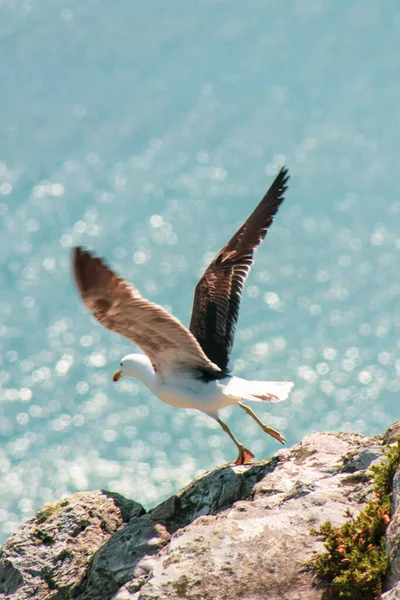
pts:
pixel 218 293
pixel 120 307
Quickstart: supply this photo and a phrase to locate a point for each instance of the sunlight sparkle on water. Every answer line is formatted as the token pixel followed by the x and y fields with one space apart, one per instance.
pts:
pixel 151 151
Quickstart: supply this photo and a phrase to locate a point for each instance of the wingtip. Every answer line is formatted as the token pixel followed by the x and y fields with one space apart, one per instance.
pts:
pixel 76 263
pixel 81 256
pixel 283 176
pixel 280 183
pixel 90 271
pixel 79 251
pixel 284 170
pixel 81 260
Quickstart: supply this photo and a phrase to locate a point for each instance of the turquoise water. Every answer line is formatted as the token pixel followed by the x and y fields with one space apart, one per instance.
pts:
pixel 148 131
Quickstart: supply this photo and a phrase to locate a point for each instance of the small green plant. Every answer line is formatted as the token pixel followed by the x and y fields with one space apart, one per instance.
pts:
pixel 355 560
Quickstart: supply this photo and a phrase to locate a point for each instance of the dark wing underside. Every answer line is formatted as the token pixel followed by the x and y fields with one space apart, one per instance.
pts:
pixel 218 293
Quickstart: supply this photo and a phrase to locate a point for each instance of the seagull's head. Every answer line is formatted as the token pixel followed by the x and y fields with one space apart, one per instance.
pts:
pixel 132 365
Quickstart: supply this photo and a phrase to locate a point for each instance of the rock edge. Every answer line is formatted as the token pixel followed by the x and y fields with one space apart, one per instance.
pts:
pixel 235 532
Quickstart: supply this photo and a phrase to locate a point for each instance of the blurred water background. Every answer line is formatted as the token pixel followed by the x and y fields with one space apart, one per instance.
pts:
pixel 148 131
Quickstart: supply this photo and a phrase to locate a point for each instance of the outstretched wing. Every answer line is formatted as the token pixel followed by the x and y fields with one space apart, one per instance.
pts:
pixel 120 307
pixel 218 293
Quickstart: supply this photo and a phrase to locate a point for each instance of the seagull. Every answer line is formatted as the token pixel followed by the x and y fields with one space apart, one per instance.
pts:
pixel 189 368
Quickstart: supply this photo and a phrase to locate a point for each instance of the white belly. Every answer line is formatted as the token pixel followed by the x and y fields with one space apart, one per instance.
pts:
pixel 207 397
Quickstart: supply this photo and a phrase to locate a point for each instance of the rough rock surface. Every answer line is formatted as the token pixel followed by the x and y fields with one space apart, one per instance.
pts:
pixel 48 556
pixel 236 532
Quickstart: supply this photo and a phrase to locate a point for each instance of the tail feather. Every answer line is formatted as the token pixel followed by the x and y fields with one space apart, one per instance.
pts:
pixel 261 391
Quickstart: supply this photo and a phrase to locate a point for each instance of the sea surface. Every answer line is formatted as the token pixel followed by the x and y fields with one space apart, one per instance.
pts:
pixel 148 131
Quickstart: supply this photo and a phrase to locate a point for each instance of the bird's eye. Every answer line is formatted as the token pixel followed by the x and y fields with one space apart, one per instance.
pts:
pixel 120 364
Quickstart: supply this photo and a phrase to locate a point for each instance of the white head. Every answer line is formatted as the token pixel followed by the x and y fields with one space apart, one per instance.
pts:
pixel 137 366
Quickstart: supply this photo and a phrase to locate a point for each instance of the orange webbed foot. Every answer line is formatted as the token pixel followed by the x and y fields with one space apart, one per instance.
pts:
pixel 244 457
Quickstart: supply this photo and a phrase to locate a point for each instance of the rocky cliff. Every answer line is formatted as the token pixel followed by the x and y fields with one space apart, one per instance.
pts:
pixel 236 532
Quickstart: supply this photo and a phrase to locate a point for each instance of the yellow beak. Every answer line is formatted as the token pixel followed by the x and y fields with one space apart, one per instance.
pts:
pixel 117 375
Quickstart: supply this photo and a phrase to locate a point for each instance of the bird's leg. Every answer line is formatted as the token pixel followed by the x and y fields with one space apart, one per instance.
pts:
pixel 244 454
pixel 275 434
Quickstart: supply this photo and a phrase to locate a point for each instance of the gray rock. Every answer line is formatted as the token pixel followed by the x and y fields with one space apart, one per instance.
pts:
pixel 127 556
pixel 392 433
pixel 393 594
pixel 235 532
pixel 49 555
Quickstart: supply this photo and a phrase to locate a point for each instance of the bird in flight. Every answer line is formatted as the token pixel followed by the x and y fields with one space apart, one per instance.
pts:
pixel 188 368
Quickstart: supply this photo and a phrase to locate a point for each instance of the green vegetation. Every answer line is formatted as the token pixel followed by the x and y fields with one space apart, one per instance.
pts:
pixel 181 586
pixel 49 511
pixel 41 537
pixel 355 561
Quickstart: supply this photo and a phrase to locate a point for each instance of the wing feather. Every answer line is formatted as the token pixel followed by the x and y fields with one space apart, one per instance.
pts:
pixel 218 293
pixel 119 306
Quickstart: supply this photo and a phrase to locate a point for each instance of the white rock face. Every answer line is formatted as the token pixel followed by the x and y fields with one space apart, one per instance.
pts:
pixel 236 532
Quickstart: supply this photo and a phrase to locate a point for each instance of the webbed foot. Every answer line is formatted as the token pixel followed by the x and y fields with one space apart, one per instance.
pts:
pixel 244 456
